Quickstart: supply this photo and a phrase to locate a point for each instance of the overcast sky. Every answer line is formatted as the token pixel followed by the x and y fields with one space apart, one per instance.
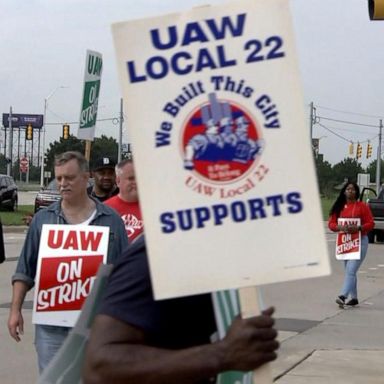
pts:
pixel 43 45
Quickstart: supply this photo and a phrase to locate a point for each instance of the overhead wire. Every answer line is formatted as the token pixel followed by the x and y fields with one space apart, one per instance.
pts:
pixel 334 133
pixel 347 122
pixel 318 118
pixel 349 112
pixel 77 122
pixel 346 139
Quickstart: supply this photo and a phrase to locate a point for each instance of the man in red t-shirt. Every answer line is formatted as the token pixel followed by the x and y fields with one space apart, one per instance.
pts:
pixel 126 202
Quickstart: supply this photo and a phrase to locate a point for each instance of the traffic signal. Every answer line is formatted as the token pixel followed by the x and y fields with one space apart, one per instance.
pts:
pixel 29 132
pixel 66 131
pixel 376 9
pixel 359 151
pixel 351 149
pixel 369 150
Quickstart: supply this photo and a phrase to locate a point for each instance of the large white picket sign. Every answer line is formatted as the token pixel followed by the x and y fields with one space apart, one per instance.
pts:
pixel 221 147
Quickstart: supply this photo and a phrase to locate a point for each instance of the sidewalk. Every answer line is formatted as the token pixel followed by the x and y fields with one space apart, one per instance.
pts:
pixel 15 228
pixel 17 360
pixel 346 348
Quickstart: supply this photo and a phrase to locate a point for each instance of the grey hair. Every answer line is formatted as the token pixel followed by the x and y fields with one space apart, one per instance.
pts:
pixel 64 157
pixel 122 164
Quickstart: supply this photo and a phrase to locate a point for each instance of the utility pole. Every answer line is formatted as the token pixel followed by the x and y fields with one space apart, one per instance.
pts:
pixel 378 163
pixel 43 143
pixel 10 146
pixel 121 119
pixel 44 132
pixel 311 117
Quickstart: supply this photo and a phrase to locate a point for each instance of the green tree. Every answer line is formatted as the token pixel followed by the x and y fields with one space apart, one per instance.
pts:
pixel 3 164
pixel 371 169
pixel 324 176
pixel 34 173
pixel 347 169
pixel 57 147
pixel 103 147
pixel 100 147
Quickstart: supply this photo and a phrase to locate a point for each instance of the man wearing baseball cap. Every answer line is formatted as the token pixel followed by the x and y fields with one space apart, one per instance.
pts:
pixel 103 173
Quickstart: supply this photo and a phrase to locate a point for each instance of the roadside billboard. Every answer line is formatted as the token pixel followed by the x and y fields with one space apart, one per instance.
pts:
pixel 22 120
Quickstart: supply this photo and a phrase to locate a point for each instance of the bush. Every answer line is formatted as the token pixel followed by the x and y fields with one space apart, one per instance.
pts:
pixel 16 217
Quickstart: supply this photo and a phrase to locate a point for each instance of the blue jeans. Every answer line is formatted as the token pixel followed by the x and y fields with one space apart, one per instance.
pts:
pixel 48 340
pixel 351 268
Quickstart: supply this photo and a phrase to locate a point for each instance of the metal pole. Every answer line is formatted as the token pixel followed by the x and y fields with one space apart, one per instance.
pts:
pixel 43 145
pixel 120 131
pixel 38 148
pixel 378 163
pixel 5 141
pixel 10 146
pixel 18 143
pixel 311 120
pixel 44 131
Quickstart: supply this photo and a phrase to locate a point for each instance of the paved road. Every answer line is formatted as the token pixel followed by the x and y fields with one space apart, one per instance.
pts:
pixel 27 198
pixel 321 343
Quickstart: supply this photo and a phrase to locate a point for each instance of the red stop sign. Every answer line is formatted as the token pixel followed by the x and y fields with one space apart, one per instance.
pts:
pixel 24 164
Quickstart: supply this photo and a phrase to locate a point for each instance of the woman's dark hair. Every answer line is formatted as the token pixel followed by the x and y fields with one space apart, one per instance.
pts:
pixel 341 199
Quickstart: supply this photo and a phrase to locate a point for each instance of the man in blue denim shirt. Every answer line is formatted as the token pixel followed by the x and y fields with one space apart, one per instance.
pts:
pixel 75 207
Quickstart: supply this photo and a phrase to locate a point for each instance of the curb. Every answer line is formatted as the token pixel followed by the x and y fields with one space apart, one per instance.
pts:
pixel 15 228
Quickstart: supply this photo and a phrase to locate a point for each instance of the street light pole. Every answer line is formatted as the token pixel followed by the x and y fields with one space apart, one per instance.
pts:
pixel 43 146
pixel 378 161
pixel 121 119
pixel 10 147
pixel 44 130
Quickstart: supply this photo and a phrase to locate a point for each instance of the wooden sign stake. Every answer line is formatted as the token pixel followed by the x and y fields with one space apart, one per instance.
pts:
pixel 88 149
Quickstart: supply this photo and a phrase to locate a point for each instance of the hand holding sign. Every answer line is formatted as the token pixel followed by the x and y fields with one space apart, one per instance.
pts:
pixel 244 354
pixel 350 228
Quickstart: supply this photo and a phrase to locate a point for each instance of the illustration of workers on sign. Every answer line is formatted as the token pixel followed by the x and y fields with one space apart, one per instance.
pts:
pixel 246 148
pixel 207 146
pixel 228 135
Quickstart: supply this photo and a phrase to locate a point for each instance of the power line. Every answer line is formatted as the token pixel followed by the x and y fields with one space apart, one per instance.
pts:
pixel 344 138
pixel 318 118
pixel 349 130
pixel 345 122
pixel 55 114
pixel 77 122
pixel 334 133
pixel 348 112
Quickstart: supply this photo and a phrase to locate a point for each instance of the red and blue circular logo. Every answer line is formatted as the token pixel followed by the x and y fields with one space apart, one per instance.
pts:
pixel 220 141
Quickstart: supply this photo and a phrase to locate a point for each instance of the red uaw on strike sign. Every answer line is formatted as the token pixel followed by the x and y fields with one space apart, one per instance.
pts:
pixel 348 245
pixel 69 257
pixel 223 159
